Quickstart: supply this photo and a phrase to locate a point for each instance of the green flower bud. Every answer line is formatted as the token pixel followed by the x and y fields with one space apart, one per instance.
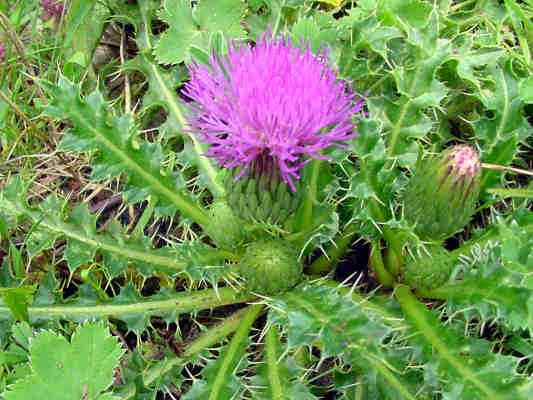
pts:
pixel 223 227
pixel 428 270
pixel 270 266
pixel 261 195
pixel 441 195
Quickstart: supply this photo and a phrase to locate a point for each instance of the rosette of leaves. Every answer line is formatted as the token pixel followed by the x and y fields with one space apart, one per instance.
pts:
pixel 386 338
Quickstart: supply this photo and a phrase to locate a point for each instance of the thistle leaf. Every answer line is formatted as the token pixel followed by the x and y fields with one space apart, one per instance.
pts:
pixel 501 134
pixel 118 149
pixel 162 91
pixel 467 367
pixel 118 249
pixel 494 278
pixel 357 331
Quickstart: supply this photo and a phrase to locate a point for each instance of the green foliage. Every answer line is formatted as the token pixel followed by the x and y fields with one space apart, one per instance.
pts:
pixel 194 29
pixel 92 117
pixel 80 369
pixel 467 366
pixel 495 278
pixel 119 149
pixel 53 221
pixel 361 333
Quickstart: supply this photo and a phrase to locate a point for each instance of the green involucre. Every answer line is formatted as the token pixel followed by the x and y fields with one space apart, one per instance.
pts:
pixel 441 195
pixel 270 266
pixel 428 270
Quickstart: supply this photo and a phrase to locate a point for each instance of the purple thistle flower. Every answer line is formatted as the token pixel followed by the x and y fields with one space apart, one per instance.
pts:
pixel 52 9
pixel 273 102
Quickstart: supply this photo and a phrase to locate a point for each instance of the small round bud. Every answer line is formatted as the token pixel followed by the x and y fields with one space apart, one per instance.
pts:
pixel 270 266
pixel 224 228
pixel 428 270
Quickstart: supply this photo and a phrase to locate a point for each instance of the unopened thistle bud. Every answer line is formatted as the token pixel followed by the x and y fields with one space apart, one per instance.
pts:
pixel 224 227
pixel 270 266
pixel 428 270
pixel 441 195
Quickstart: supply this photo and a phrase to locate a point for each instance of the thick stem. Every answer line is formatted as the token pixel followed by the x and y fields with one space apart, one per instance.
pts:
pixel 272 356
pixel 231 356
pixel 306 211
pixel 209 338
pixel 376 263
pixel 181 303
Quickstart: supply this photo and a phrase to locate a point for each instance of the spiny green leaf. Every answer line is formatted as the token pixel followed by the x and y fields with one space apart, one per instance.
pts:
pixel 119 150
pixel 352 330
pixel 467 367
pixel 494 279
pixel 118 249
pixel 500 135
pixel 81 369
pixel 161 91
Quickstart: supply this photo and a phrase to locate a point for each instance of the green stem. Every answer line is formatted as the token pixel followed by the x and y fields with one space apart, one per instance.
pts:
pixel 397 127
pixel 231 356
pixel 305 214
pixel 393 255
pixel 271 352
pixel 207 339
pixel 180 303
pixel 173 104
pixel 502 192
pixel 323 264
pixel 376 263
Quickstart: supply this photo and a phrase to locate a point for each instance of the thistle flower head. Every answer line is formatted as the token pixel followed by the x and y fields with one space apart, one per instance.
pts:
pixel 52 9
pixel 463 161
pixel 272 104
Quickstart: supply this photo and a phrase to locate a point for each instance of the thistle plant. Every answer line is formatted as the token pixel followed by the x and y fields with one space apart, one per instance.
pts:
pixel 209 209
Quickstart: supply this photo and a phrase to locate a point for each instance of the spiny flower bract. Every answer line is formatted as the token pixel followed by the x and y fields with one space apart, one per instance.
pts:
pixel 272 100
